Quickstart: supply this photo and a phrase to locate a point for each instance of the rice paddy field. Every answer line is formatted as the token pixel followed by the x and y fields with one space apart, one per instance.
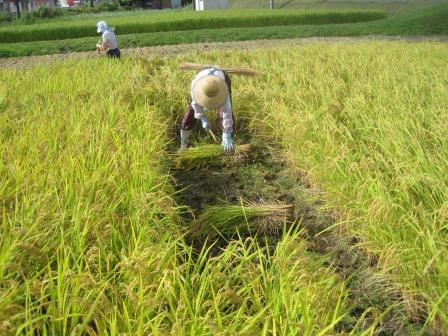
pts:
pixel 390 6
pixel 335 223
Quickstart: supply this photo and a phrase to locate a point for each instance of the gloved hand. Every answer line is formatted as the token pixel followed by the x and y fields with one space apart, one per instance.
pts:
pixel 227 141
pixel 204 122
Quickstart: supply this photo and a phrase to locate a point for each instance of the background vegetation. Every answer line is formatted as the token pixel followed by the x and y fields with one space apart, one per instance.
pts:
pixel 180 21
pixel 430 21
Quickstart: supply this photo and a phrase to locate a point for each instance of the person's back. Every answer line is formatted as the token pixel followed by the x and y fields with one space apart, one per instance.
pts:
pixel 109 43
pixel 110 39
pixel 210 89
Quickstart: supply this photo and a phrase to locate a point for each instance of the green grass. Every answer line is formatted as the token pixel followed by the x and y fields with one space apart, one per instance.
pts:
pixel 72 17
pixel 390 6
pixel 181 20
pixel 431 21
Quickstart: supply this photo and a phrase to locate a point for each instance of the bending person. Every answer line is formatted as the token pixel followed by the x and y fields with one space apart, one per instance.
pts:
pixel 109 40
pixel 210 89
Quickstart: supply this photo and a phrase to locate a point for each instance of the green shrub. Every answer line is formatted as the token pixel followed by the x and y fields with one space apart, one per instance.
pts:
pixel 45 12
pixel 6 17
pixel 107 6
pixel 28 18
pixel 102 6
pixel 84 9
pixel 127 4
pixel 42 12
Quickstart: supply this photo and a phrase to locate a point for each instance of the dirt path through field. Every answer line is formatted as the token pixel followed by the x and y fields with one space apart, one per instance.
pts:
pixel 264 178
pixel 171 50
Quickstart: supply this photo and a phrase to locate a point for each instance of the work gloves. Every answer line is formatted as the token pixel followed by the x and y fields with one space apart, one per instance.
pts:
pixel 227 141
pixel 204 122
pixel 226 137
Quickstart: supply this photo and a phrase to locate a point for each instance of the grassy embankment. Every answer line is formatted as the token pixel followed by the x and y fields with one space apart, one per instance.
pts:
pixel 89 231
pixel 430 21
pixel 150 22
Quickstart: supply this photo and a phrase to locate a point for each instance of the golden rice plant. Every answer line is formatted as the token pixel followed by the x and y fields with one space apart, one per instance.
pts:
pixel 88 238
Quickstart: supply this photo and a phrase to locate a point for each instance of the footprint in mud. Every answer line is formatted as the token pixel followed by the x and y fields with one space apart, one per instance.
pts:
pixel 250 181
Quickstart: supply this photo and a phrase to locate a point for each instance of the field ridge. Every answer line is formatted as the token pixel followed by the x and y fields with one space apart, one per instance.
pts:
pixel 173 50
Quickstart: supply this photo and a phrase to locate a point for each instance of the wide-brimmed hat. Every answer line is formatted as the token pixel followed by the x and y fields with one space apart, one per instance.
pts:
pixel 210 91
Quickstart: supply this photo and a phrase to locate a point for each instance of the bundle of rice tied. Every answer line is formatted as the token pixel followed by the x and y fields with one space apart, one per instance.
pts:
pixel 210 154
pixel 228 219
pixel 230 70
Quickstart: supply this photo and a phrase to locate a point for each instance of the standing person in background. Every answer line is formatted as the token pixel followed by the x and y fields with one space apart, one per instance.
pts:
pixel 210 89
pixel 109 42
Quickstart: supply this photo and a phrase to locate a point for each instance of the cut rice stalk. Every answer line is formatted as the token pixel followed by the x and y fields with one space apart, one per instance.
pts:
pixel 227 219
pixel 206 154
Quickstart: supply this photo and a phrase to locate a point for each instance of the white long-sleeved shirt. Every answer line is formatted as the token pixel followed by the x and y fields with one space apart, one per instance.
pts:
pixel 225 110
pixel 110 39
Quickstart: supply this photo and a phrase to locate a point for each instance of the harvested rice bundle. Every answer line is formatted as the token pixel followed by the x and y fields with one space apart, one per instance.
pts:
pixel 230 70
pixel 209 154
pixel 227 219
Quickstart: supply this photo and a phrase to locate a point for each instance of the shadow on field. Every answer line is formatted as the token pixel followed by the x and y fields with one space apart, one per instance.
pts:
pixel 264 178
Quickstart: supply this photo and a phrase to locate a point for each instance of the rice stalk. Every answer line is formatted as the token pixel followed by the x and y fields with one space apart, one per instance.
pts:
pixel 210 154
pixel 228 219
pixel 82 180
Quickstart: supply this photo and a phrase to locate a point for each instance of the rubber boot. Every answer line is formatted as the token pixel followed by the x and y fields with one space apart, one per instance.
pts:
pixel 184 137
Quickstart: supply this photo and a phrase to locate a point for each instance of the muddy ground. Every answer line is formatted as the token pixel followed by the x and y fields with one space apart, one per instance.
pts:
pixel 264 178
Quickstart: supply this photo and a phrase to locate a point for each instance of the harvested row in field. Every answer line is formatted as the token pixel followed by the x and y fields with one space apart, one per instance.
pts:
pixel 364 122
pixel 92 239
pixel 259 199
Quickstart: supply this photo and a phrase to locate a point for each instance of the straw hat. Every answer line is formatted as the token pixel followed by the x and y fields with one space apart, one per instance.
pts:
pixel 210 91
